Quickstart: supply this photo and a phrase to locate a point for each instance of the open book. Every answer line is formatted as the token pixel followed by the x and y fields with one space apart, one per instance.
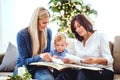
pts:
pixel 59 65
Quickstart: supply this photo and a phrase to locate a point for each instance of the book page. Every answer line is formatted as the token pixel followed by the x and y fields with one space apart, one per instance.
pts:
pixel 58 61
pixel 74 58
pixel 81 67
pixel 63 66
pixel 49 64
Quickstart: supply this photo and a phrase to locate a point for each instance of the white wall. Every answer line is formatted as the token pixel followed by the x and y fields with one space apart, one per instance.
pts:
pixel 24 12
pixel 16 14
pixel 7 22
pixel 108 19
pixel 0 30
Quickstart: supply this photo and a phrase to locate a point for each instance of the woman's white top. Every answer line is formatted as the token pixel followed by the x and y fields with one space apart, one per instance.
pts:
pixel 96 46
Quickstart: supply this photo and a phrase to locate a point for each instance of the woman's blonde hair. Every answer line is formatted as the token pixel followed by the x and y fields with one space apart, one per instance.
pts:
pixel 39 39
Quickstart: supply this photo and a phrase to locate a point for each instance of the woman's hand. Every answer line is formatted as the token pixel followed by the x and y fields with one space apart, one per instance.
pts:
pixel 90 60
pixel 46 57
pixel 93 60
pixel 67 60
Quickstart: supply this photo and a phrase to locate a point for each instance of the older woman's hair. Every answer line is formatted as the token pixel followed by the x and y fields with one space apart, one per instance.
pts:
pixel 38 44
pixel 82 20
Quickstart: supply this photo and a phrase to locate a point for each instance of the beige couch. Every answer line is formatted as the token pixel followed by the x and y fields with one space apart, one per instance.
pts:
pixel 115 50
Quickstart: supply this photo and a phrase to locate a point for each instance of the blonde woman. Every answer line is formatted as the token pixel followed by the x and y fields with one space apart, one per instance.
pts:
pixel 34 43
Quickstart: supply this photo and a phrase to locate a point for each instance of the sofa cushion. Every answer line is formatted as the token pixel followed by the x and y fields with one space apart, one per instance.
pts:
pixel 9 60
pixel 116 54
pixel 5 74
pixel 71 44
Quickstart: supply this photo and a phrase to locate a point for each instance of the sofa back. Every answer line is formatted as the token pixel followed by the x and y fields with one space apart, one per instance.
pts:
pixel 116 54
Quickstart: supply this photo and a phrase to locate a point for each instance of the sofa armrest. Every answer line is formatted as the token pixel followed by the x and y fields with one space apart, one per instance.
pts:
pixel 1 57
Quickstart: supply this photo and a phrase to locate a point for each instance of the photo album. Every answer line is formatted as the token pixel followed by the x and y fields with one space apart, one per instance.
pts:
pixel 60 65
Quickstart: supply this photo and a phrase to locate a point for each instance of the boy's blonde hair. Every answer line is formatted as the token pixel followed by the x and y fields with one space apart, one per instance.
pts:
pixel 58 37
pixel 39 39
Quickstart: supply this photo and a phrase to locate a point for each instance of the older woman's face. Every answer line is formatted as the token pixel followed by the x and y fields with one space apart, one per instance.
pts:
pixel 80 29
pixel 42 24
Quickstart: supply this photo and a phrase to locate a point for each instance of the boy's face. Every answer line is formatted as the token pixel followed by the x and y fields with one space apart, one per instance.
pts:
pixel 61 45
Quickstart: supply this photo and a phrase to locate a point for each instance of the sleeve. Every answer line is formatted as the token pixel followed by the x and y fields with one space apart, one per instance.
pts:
pixel 51 52
pixel 49 39
pixel 25 52
pixel 105 49
pixel 68 51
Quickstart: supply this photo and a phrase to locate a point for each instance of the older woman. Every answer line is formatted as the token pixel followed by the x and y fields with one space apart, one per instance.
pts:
pixel 92 47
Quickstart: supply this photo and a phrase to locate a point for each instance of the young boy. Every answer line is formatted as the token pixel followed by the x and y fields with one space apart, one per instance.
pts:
pixel 60 44
pixel 60 51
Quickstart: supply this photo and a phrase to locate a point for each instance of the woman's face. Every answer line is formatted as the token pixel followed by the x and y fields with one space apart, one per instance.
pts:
pixel 80 29
pixel 42 24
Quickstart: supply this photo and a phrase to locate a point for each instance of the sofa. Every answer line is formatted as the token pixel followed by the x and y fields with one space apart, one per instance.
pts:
pixel 7 60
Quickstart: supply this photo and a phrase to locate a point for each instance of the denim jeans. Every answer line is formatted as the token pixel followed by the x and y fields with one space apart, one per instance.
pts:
pixel 83 74
pixel 100 75
pixel 43 74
